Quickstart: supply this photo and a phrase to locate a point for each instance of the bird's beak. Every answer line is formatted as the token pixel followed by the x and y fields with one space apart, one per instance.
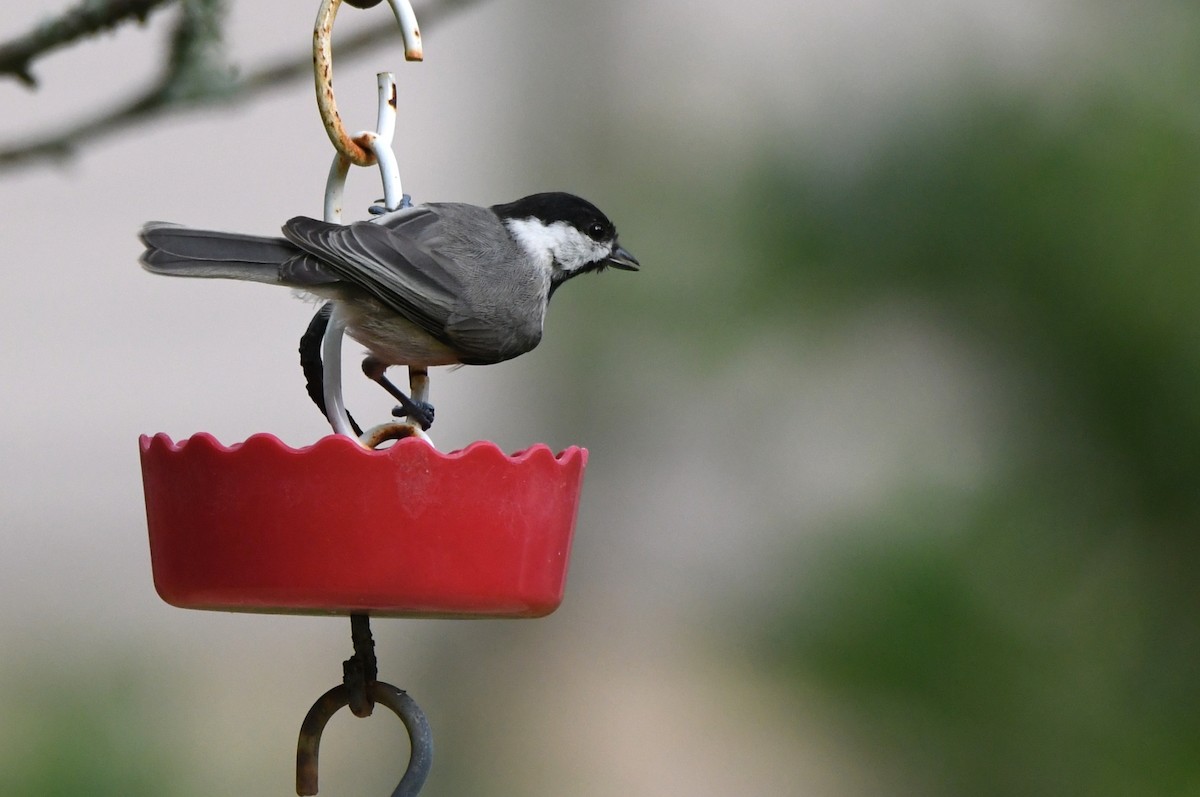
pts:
pixel 622 259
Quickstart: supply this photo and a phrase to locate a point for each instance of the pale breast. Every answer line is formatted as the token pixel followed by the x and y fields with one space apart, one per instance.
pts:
pixel 393 339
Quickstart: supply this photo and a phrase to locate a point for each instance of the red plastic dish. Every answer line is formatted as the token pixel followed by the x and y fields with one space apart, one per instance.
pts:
pixel 336 529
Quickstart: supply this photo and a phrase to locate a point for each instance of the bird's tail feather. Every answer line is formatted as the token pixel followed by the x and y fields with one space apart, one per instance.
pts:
pixel 179 251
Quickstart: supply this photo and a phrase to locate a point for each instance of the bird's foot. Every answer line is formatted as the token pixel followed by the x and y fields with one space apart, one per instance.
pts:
pixel 421 412
pixel 378 209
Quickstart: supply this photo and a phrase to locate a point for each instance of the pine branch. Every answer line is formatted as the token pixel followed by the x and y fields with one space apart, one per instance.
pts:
pixel 86 19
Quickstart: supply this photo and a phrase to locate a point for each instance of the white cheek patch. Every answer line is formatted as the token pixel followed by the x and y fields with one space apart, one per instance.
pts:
pixel 558 242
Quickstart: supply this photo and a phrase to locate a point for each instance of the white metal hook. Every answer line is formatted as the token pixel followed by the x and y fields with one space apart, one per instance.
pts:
pixel 379 144
pixel 331 365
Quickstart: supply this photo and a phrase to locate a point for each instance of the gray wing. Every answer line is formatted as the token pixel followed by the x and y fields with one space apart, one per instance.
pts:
pixel 395 260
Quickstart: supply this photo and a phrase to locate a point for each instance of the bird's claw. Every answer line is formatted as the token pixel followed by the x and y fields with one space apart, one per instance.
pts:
pixel 422 413
pixel 378 209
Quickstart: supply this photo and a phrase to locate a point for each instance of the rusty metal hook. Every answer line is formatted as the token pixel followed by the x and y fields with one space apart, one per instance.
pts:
pixel 421 737
pixel 361 691
pixel 356 151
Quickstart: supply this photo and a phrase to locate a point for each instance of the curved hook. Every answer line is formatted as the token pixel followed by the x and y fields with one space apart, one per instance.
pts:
pixel 331 359
pixel 420 759
pixel 356 151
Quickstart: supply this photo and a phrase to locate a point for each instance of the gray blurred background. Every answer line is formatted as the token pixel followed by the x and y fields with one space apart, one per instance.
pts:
pixel 894 439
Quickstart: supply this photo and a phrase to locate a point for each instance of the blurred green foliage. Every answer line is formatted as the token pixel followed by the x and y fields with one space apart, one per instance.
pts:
pixel 1068 240
pixel 1041 635
pixel 97 735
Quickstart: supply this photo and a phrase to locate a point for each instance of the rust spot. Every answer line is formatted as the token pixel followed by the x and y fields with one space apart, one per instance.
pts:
pixel 392 431
pixel 392 99
pixel 360 147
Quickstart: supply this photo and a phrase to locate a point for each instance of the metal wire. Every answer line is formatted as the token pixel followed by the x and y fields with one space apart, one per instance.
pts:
pixel 360 670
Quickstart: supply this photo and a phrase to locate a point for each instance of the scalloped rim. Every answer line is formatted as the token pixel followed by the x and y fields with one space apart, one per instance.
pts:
pixel 265 439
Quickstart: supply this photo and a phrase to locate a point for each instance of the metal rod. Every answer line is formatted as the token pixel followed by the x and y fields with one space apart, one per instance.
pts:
pixel 360 670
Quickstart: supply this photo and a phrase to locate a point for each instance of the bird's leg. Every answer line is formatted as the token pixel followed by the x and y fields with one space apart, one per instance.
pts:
pixel 418 385
pixel 419 410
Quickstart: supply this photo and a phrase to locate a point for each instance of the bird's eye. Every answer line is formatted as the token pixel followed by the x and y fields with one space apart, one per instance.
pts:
pixel 595 231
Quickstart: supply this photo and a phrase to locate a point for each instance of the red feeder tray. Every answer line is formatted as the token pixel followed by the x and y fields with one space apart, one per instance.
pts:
pixel 334 528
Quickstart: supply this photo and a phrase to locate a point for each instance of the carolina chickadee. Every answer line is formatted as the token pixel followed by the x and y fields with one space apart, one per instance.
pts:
pixel 436 284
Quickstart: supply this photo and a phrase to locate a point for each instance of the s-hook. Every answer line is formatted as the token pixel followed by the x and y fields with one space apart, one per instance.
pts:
pixel 360 691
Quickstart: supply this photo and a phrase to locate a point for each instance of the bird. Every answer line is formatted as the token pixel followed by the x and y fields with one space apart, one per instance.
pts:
pixel 440 283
